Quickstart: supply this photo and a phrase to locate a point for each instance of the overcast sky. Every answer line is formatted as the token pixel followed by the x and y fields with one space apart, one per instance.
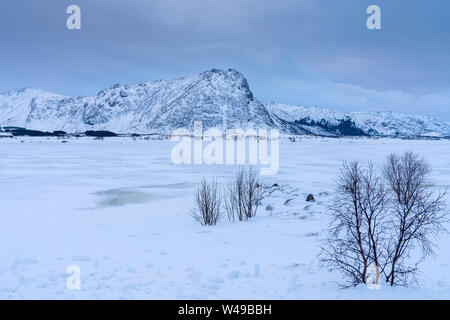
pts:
pixel 307 52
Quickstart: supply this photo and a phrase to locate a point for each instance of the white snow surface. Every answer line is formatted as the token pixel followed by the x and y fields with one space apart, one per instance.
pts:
pixel 118 209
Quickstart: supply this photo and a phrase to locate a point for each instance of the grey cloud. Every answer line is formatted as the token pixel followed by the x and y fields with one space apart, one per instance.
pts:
pixel 272 42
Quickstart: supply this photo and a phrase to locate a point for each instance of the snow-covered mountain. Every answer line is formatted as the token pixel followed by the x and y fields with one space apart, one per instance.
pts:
pixel 325 121
pixel 218 98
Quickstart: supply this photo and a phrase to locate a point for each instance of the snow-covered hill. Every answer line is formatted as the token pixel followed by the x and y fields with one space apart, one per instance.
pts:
pixel 323 121
pixel 219 98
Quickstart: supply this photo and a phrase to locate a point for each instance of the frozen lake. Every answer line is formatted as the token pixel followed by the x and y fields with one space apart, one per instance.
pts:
pixel 118 209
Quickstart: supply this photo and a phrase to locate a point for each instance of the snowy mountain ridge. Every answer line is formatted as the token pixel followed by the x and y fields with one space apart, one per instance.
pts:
pixel 219 98
pixel 370 123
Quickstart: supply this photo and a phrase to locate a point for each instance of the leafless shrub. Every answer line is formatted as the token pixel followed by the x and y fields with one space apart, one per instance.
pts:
pixel 243 195
pixel 208 203
pixel 253 192
pixel 235 200
pixel 417 215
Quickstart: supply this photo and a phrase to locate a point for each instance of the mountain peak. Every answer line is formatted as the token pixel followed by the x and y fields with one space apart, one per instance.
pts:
pixel 219 98
pixel 228 72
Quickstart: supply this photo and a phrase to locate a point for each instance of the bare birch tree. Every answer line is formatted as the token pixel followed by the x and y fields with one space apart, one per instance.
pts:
pixel 355 238
pixel 418 215
pixel 380 220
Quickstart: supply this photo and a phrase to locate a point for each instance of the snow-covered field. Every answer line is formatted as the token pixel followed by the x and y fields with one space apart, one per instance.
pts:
pixel 118 209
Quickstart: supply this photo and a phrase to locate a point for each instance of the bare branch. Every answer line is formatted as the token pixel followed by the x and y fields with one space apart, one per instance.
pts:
pixel 208 203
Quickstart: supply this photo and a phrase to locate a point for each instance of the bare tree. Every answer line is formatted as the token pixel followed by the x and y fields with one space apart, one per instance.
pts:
pixel 380 221
pixel 345 248
pixel 208 203
pixel 373 204
pixel 417 214
pixel 355 236
pixel 243 195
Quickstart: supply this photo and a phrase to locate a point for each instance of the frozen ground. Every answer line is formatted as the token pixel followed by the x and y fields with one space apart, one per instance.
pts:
pixel 118 209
